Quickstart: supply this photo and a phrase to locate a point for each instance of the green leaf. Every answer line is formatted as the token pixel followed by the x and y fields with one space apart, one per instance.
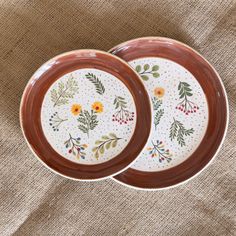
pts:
pixel 101 150
pixel 179 86
pixel 83 128
pixel 181 91
pixel 138 68
pixel 115 101
pixel 185 84
pixel 94 149
pixel 112 135
pixel 146 67
pixel 173 130
pixel 96 155
pixel 156 75
pixel 108 145
pixel 189 94
pixel 182 95
pixel 144 77
pixel 100 89
pixel 158 116
pixel 155 68
pixel 54 96
pixel 114 143
pixel 98 142
pixel 187 89
pixel 105 137
pixel 156 103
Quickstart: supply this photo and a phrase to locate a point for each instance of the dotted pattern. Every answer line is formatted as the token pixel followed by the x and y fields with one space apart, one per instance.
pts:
pixel 171 74
pixel 86 96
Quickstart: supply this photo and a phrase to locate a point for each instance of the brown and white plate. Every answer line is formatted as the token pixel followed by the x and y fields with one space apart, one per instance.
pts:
pixel 190 111
pixel 81 114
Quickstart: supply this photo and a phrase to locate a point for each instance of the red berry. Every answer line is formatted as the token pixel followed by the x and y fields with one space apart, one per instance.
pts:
pixel 113 119
pixel 70 151
pixel 194 110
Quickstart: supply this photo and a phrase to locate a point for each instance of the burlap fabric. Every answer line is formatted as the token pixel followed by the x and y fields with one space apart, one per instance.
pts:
pixel 34 201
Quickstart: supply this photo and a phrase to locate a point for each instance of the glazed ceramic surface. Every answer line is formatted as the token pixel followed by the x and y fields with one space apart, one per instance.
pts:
pixel 81 112
pixel 88 116
pixel 180 113
pixel 190 111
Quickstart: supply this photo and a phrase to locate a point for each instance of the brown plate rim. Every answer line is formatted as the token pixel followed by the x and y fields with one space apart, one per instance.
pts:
pixel 153 180
pixel 68 62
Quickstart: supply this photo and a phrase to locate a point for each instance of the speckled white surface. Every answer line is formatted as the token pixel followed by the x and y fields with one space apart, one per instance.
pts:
pixel 85 97
pixel 170 75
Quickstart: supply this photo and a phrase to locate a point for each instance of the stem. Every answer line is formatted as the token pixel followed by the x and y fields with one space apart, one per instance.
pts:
pixel 156 148
pixel 109 140
pixel 60 96
pixel 145 72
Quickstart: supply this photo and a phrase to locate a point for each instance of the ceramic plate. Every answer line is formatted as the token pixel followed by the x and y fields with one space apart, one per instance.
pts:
pixel 190 111
pixel 81 113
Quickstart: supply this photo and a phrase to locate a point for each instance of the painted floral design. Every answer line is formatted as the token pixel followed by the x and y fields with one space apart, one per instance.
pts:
pixel 74 147
pixel 159 92
pixel 97 107
pixel 186 105
pixel 158 151
pixel 64 92
pixel 56 121
pixel 106 142
pixel 87 121
pixel 158 112
pixel 122 115
pixel 100 89
pixel 178 131
pixel 76 109
pixel 146 70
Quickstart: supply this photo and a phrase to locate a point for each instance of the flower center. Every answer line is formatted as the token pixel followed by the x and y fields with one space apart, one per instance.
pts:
pixel 97 108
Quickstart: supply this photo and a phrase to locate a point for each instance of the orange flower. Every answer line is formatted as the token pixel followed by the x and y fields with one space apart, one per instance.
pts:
pixel 76 109
pixel 98 107
pixel 159 92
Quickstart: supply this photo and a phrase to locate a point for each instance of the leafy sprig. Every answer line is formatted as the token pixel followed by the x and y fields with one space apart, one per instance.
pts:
pixel 159 112
pixel 158 116
pixel 122 115
pixel 186 105
pixel 120 102
pixel 147 70
pixel 178 131
pixel 184 90
pixel 158 150
pixel 74 146
pixel 65 91
pixel 88 121
pixel 106 142
pixel 100 89
pixel 156 103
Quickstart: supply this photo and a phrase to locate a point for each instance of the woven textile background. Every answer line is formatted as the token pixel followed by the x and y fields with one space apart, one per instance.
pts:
pixel 34 201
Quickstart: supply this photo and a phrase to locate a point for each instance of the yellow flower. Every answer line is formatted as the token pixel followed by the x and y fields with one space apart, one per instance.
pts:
pixel 98 107
pixel 76 109
pixel 159 92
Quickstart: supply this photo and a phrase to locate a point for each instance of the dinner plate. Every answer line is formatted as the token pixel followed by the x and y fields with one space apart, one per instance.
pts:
pixel 82 114
pixel 190 111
